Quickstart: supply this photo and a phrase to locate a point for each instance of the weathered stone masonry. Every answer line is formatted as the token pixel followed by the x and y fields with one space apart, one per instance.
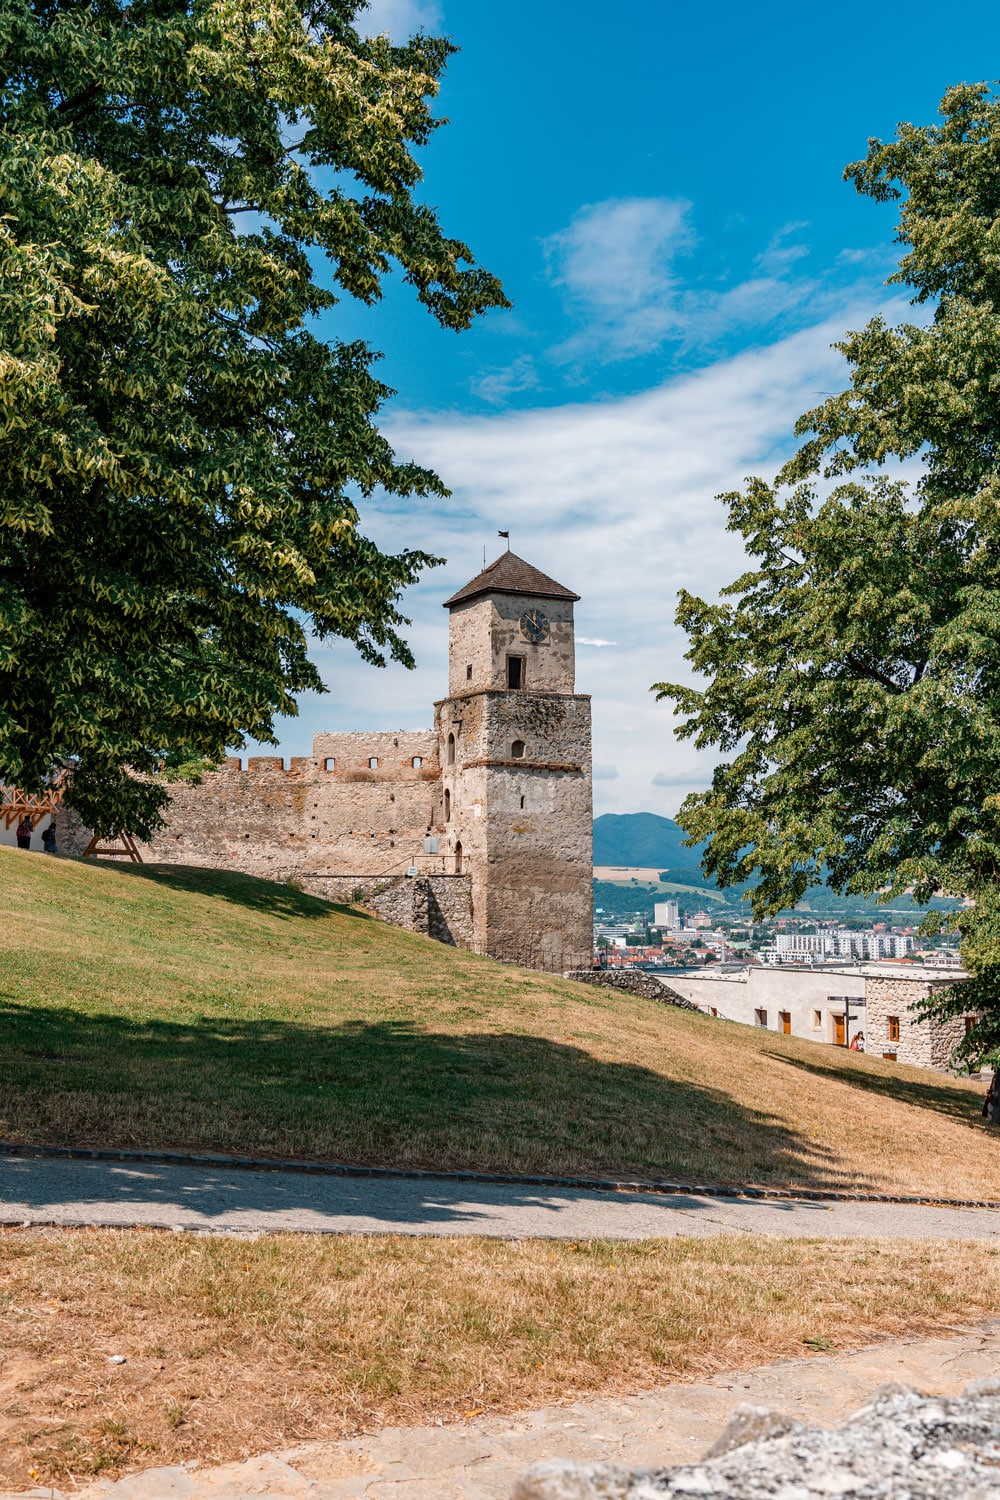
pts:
pixel 892 1030
pixel 477 832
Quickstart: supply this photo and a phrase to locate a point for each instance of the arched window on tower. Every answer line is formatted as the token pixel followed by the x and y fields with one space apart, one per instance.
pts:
pixel 458 859
pixel 447 805
pixel 451 749
pixel 517 750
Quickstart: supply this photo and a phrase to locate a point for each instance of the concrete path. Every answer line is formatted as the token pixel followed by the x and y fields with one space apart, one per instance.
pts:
pixel 480 1459
pixel 39 1190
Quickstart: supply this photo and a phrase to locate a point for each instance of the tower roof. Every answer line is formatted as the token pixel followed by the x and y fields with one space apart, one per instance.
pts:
pixel 510 574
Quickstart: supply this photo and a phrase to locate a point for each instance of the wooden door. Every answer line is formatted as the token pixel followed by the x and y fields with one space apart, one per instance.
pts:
pixel 840 1031
pixel 786 1022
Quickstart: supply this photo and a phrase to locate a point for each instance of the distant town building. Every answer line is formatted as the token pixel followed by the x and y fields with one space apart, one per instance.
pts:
pixel 803 942
pixel 667 914
pixel 842 943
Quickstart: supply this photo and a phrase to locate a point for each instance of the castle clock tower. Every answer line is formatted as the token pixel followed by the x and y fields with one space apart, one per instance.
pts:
pixel 516 767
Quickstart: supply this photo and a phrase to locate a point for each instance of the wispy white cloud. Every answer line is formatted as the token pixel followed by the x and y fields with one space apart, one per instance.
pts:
pixel 497 386
pixel 586 640
pixel 780 256
pixel 605 773
pixel 615 261
pixel 613 498
pixel 623 266
pixel 400 18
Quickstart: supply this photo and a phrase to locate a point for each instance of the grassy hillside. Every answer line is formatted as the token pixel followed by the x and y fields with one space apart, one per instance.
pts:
pixel 187 1008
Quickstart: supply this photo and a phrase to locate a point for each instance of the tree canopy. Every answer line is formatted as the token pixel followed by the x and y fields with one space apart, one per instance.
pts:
pixel 186 185
pixel 853 672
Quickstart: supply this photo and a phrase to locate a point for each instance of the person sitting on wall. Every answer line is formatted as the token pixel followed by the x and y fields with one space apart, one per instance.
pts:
pixel 24 833
pixel 858 1042
pixel 49 840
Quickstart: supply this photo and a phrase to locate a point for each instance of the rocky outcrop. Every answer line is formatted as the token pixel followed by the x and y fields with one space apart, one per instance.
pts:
pixel 903 1446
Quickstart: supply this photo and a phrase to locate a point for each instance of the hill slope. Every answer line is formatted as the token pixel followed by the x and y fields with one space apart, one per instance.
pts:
pixel 196 1009
pixel 642 839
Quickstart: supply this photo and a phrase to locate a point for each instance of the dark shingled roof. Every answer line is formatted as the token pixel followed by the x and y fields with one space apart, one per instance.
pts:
pixel 510 574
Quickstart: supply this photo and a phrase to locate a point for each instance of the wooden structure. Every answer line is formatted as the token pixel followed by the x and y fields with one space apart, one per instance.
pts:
pixel 122 847
pixel 15 804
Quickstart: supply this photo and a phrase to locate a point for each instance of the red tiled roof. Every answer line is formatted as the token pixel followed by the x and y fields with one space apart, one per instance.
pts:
pixel 510 574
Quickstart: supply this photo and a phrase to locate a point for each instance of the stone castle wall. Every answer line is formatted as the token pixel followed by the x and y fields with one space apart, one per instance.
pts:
pixel 484 632
pixel 478 831
pixel 924 1043
pixel 439 906
pixel 331 813
pixel 517 798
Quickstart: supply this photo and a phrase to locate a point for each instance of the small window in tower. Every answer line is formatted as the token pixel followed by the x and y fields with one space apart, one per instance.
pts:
pixel 373 762
pixel 447 805
pixel 522 804
pixel 517 750
pixel 893 1028
pixel 468 673
pixel 458 859
pixel 417 762
pixel 451 749
pixel 330 764
pixel 515 671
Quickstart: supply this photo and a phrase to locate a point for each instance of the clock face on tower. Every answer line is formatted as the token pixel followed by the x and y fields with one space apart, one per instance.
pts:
pixel 535 626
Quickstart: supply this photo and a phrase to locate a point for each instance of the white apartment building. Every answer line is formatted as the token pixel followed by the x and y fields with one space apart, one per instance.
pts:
pixel 804 942
pixel 844 944
pixel 667 914
pixel 872 945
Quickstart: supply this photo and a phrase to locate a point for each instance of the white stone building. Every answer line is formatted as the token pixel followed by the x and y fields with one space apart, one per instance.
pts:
pixel 833 1003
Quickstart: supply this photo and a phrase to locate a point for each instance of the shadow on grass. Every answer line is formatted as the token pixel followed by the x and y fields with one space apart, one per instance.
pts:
pixel 267 896
pixel 943 1101
pixel 384 1093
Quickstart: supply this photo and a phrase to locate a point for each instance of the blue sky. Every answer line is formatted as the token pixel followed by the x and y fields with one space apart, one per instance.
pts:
pixel 660 189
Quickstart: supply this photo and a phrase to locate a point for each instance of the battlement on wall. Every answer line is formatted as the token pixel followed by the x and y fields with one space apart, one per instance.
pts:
pixel 356 755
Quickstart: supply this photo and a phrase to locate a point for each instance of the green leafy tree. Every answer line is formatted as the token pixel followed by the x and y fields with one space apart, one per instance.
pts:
pixel 853 672
pixel 181 453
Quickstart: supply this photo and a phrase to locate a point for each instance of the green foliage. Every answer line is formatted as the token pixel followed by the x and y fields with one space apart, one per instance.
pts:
pixel 187 768
pixel 181 454
pixel 853 671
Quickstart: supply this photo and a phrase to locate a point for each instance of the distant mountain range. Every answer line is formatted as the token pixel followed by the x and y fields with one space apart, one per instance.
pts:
pixel 643 839
pixel 647 841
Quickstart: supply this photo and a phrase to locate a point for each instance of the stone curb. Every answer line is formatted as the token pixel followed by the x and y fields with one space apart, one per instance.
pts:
pixel 585 1184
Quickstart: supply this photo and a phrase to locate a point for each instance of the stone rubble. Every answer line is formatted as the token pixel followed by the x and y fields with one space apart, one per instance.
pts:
pixel 635 981
pixel 901 1446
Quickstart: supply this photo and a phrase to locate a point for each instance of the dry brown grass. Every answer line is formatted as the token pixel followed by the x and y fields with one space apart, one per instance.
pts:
pixel 195 1009
pixel 235 1347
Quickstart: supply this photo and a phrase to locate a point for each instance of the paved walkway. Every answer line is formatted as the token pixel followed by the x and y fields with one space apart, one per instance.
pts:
pixel 480 1460
pixel 39 1190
